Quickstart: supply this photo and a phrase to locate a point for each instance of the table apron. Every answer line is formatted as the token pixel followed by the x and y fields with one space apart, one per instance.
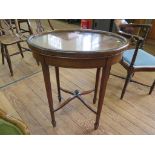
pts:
pixel 78 62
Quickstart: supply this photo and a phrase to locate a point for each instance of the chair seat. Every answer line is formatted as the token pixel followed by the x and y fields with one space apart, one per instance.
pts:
pixel 9 39
pixel 143 58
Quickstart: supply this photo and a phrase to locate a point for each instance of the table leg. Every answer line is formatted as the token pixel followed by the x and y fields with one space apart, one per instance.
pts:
pixel 104 80
pixel 58 83
pixel 47 81
pixel 96 84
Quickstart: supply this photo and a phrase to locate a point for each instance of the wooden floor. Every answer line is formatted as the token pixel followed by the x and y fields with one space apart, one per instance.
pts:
pixel 23 96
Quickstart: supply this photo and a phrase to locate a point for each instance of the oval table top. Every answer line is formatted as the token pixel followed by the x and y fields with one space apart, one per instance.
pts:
pixel 77 43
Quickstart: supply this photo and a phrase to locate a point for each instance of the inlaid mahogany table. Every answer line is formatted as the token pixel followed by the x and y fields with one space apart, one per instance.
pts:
pixel 82 49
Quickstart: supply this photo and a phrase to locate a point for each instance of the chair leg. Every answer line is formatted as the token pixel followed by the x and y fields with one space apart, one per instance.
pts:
pixel 128 78
pixel 19 26
pixel 152 87
pixel 2 51
pixel 20 50
pixel 8 59
pixel 29 27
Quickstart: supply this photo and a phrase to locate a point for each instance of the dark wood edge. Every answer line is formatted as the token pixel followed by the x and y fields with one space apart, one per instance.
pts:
pixel 81 55
pixel 60 52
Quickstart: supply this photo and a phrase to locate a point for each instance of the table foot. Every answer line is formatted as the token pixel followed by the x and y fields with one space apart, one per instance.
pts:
pixel 96 125
pixel 54 123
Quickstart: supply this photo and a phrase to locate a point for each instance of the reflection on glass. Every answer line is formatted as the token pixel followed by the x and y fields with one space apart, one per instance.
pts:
pixel 96 41
pixel 90 41
pixel 72 35
pixel 86 41
pixel 54 41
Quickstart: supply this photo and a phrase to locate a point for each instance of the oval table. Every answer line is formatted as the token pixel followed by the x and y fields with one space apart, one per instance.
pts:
pixel 81 49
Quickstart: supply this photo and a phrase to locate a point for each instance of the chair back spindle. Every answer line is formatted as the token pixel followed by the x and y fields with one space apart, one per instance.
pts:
pixel 38 26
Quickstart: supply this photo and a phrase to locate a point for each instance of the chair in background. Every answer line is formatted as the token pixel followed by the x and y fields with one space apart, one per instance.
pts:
pixel 23 25
pixel 135 59
pixel 8 37
pixel 38 26
pixel 23 30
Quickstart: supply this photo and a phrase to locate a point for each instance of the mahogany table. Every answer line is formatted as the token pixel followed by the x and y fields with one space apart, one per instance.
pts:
pixel 81 49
